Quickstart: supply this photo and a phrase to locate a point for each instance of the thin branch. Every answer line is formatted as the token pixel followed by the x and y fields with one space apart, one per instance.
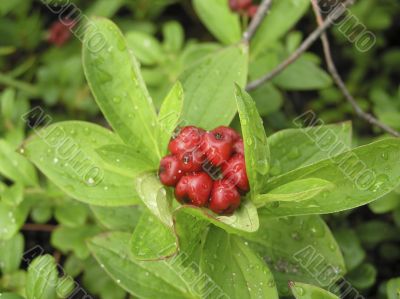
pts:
pixel 335 14
pixel 257 20
pixel 339 81
pixel 39 227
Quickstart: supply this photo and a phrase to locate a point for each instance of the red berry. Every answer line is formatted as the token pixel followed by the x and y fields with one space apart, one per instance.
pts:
pixel 237 5
pixel 225 198
pixel 194 189
pixel 238 147
pixel 170 171
pixel 192 161
pixel 217 145
pixel 188 139
pixel 228 131
pixel 252 10
pixel 235 172
pixel 60 32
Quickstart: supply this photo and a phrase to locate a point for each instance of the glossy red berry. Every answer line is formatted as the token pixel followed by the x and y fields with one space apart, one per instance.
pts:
pixel 194 189
pixel 238 147
pixel 217 145
pixel 252 10
pixel 235 172
pixel 228 131
pixel 237 5
pixel 225 198
pixel 191 161
pixel 187 140
pixel 170 171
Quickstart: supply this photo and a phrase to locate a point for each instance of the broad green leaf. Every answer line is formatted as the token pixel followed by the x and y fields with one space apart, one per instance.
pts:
pixel 143 279
pixel 152 240
pixel 268 99
pixel 16 167
pixel 255 141
pixel 235 268
pixel 374 232
pixel 11 219
pixel 42 278
pixel 362 277
pixel 125 160
pixel 393 288
pixel 303 75
pixel 11 254
pixel 297 248
pixel 360 176
pixel 14 281
pixel 118 218
pixel 97 282
pixel 65 153
pixel 350 245
pixel 114 78
pixel 209 87
pixel 71 213
pixel 68 239
pixel 41 213
pixel 169 115
pixel 295 191
pixel 145 47
pixel 306 291
pixel 282 16
pixel 294 148
pixel 13 195
pixel 245 219
pixel 104 8
pixel 155 198
pixel 219 19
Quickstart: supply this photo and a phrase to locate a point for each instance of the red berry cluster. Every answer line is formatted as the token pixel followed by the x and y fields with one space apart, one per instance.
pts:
pixel 207 169
pixel 60 32
pixel 246 7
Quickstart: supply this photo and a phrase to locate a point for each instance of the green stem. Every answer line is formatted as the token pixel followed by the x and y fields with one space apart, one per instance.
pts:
pixel 28 88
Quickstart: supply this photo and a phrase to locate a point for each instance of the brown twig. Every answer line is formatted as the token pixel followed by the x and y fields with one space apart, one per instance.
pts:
pixel 335 14
pixel 339 81
pixel 39 227
pixel 257 20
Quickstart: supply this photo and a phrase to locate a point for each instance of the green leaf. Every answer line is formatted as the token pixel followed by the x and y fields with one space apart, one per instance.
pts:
pixel 350 245
pixel 16 167
pixel 306 291
pixel 42 278
pixel 125 160
pixel 11 219
pixel 169 115
pixel 282 16
pixel 11 254
pixel 118 218
pixel 291 246
pixel 232 265
pixel 145 47
pixel 65 153
pixel 219 19
pixel 268 99
pixel 13 195
pixel 144 279
pixel 209 87
pixel 152 240
pixel 360 176
pixel 295 191
pixel 245 219
pixel 256 148
pixel 7 100
pixel 154 196
pixel 10 296
pixel 114 78
pixel 71 213
pixel 173 36
pixel 294 148
pixel 68 239
pixel 393 288
pixel 303 75
pixel 385 204
pixel 362 277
